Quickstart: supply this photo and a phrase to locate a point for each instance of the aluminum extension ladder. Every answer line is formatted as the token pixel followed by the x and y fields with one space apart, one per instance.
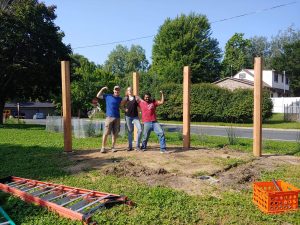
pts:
pixel 5 219
pixel 70 202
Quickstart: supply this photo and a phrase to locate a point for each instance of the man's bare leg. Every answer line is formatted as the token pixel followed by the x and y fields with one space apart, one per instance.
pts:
pixel 113 141
pixel 104 138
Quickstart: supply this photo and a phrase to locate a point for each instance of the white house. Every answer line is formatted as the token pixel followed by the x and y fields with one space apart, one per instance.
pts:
pixel 278 83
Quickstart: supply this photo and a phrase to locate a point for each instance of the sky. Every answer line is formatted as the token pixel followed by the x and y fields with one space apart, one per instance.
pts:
pixel 104 23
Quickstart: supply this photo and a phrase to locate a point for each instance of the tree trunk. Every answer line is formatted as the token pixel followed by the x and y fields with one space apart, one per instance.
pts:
pixel 2 103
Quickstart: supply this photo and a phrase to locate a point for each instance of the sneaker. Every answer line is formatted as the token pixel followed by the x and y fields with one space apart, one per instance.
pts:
pixel 129 149
pixel 138 149
pixel 102 150
pixel 164 151
pixel 113 150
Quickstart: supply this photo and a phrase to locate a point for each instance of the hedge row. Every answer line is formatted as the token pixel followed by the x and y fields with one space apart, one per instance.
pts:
pixel 212 103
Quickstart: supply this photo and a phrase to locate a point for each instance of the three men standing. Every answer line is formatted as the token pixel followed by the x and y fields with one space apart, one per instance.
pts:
pixel 148 108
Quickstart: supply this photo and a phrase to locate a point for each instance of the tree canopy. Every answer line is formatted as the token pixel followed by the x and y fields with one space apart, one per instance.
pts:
pixel 186 41
pixel 236 51
pixel 289 61
pixel 122 60
pixel 31 48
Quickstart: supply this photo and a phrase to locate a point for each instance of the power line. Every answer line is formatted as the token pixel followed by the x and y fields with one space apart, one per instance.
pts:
pixel 217 21
pixel 255 12
pixel 114 42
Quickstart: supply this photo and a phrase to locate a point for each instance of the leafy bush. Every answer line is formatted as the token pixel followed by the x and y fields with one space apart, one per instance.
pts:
pixel 212 103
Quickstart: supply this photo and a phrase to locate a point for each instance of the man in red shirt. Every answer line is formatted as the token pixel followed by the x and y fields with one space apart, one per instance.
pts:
pixel 148 108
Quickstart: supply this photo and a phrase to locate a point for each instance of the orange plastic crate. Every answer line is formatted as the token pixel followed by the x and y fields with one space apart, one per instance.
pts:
pixel 270 200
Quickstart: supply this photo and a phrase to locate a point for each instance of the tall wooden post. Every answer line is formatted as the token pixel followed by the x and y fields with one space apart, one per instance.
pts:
pixel 257 116
pixel 135 81
pixel 66 105
pixel 186 107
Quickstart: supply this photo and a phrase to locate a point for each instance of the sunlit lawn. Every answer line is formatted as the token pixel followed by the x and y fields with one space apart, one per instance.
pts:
pixel 29 151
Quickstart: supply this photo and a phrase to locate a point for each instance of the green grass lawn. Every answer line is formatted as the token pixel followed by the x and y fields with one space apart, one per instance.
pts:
pixel 276 121
pixel 29 151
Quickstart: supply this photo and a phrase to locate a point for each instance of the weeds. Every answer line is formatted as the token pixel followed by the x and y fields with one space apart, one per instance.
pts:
pixel 231 135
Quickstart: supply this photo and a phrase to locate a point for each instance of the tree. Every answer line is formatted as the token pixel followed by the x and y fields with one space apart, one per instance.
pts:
pixel 122 61
pixel 31 48
pixel 235 58
pixel 186 41
pixel 283 38
pixel 289 61
pixel 259 47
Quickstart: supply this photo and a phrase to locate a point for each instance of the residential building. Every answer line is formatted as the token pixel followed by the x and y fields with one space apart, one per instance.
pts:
pixel 277 83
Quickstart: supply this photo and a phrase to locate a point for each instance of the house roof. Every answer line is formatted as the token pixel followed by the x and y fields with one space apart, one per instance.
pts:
pixel 30 105
pixel 244 81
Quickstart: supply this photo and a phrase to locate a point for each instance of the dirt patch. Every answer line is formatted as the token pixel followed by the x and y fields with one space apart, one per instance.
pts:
pixel 130 169
pixel 222 169
pixel 241 177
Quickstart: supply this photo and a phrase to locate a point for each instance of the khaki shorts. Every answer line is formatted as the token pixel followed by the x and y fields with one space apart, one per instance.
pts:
pixel 112 124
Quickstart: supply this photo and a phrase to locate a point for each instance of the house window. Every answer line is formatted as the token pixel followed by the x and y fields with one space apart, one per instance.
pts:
pixel 242 75
pixel 286 80
pixel 276 77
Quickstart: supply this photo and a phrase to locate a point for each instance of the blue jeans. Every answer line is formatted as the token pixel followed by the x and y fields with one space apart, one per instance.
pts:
pixel 130 121
pixel 153 126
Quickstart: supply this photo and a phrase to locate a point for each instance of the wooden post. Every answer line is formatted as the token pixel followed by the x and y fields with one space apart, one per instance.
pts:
pixel 135 81
pixel 257 116
pixel 66 105
pixel 186 107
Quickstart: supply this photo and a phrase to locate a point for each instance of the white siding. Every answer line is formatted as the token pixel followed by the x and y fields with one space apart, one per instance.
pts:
pixel 268 78
pixel 243 73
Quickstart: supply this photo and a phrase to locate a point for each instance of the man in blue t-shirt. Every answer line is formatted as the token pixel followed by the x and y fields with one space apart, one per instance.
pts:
pixel 112 121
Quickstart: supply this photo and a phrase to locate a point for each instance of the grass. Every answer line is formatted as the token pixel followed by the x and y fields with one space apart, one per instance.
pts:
pixel 30 151
pixel 276 121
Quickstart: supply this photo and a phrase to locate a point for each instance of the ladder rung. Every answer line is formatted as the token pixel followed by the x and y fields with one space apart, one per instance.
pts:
pixel 93 202
pixel 38 186
pixel 74 199
pixel 14 183
pixel 63 200
pixel 46 197
pixel 44 192
pixel 59 196
pixel 19 185
pixel 92 210
pixel 78 205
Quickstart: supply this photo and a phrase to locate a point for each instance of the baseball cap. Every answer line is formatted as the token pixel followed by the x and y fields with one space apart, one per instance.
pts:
pixel 117 87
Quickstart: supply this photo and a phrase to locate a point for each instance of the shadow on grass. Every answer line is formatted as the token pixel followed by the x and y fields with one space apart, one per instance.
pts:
pixel 22 126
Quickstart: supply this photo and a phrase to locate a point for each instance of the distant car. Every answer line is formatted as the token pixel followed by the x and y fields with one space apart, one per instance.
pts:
pixel 38 116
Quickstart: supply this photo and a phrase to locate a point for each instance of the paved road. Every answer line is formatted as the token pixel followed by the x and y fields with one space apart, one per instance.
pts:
pixel 271 134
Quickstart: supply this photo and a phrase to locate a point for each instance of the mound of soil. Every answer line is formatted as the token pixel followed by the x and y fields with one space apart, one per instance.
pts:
pixel 130 169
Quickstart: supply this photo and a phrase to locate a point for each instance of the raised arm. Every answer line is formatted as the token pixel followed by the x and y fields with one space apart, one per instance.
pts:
pixel 162 99
pixel 100 93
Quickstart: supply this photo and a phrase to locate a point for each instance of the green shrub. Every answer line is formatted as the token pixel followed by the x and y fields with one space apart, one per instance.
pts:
pixel 212 103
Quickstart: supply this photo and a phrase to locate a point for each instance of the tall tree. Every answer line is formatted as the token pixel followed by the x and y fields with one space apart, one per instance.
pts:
pixel 283 38
pixel 260 46
pixel 186 40
pixel 289 61
pixel 122 60
pixel 236 51
pixel 30 50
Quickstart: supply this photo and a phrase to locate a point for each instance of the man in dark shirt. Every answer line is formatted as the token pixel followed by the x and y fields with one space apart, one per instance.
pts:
pixel 132 118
